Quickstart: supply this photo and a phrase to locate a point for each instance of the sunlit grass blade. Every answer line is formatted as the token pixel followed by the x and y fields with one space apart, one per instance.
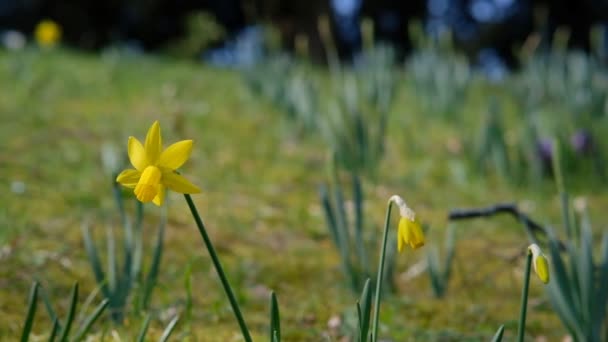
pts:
pixel 141 337
pixel 124 280
pixel 152 276
pixel 88 322
pixel 188 288
pixel 117 192
pixel 113 282
pixel 169 330
pixel 65 332
pixel 87 302
pixel 31 312
pixel 94 260
pixel 111 246
pixel 275 319
pixel 498 336
pixel 138 240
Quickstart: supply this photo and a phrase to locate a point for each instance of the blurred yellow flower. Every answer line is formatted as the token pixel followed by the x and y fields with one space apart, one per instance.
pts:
pixel 409 231
pixel 155 169
pixel 48 33
pixel 539 261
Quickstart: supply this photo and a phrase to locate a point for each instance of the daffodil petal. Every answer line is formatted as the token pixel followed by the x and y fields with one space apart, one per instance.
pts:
pixel 179 183
pixel 160 196
pixel 128 178
pixel 137 154
pixel 417 235
pixel 176 155
pixel 407 230
pixel 153 144
pixel 541 266
pixel 401 235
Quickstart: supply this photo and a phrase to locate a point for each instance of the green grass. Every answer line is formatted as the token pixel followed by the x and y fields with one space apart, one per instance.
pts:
pixel 259 201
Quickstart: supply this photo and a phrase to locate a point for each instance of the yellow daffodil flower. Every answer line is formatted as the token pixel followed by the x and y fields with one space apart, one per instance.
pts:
pixel 155 169
pixel 409 231
pixel 47 33
pixel 539 261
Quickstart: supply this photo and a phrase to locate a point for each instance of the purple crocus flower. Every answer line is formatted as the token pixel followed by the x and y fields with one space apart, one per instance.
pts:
pixel 582 142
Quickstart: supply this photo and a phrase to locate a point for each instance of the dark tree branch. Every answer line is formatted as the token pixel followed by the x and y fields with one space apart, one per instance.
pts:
pixel 532 227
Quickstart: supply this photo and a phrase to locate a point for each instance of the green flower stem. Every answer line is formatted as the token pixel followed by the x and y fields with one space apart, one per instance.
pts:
pixel 381 273
pixel 219 269
pixel 524 300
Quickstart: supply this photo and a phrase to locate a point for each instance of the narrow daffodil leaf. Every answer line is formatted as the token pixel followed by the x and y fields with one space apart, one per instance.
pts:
pixel 435 272
pixel 141 337
pixel 329 215
pixel 602 292
pixel 54 330
pixel 365 305
pixel 360 243
pixel 360 319
pixel 71 314
pixel 275 318
pixel 31 312
pixel 49 308
pixel 561 275
pixel 450 244
pixel 586 273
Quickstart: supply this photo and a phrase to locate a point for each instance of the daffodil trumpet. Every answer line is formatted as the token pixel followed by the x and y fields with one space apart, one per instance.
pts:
pixel 155 170
pixel 536 259
pixel 410 233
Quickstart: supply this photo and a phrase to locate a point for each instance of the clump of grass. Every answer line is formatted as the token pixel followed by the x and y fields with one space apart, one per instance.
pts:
pixel 123 279
pixel 62 328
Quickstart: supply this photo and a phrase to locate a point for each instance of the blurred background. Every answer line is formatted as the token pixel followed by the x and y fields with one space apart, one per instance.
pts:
pixel 234 32
pixel 307 116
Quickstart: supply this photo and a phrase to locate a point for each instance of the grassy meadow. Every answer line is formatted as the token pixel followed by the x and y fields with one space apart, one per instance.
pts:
pixel 260 179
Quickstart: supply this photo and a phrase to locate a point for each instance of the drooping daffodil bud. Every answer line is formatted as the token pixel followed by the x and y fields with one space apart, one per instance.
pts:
pixel 409 231
pixel 539 262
